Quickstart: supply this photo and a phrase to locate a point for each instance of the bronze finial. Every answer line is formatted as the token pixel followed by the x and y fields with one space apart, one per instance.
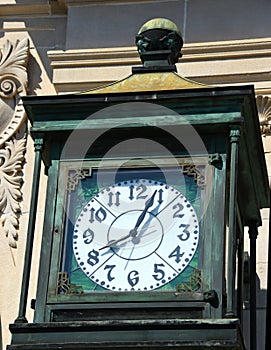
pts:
pixel 159 43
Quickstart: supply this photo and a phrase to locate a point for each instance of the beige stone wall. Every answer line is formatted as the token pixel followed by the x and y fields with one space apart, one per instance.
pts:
pixel 72 48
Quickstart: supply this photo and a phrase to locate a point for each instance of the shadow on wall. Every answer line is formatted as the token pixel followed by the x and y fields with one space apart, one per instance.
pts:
pixel 34 73
pixel 261 315
pixel 0 334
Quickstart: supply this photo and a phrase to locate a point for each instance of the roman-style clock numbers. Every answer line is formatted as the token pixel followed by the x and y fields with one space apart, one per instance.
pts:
pixel 135 235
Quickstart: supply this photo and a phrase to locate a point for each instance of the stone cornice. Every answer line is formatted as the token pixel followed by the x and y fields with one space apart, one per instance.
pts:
pixel 94 57
pixel 249 48
pixel 215 63
pixel 49 7
pixel 129 55
pixel 101 2
pixel 191 52
pixel 37 8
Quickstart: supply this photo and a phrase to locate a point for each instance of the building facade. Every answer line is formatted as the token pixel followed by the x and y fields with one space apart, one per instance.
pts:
pixel 51 47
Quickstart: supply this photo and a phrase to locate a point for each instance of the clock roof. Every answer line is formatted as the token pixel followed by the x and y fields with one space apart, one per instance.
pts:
pixel 159 43
pixel 149 81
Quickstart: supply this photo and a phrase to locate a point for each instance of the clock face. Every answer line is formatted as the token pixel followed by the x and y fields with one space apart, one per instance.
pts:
pixel 135 235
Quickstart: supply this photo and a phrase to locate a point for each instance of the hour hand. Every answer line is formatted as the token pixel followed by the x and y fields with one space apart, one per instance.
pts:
pixel 113 242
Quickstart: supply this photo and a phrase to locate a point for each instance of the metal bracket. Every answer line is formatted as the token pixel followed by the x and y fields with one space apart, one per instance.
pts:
pixel 211 297
pixel 216 160
pixel 33 304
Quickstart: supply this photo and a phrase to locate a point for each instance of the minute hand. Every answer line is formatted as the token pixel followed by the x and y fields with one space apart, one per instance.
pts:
pixel 148 204
pixel 133 232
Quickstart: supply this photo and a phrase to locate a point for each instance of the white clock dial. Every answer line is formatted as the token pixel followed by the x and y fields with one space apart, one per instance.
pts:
pixel 136 235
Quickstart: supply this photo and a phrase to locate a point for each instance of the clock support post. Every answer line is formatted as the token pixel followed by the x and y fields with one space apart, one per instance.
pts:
pixel 253 233
pixel 31 230
pixel 150 187
pixel 234 138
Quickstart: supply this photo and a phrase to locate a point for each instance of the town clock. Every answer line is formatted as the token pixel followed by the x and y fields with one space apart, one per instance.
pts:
pixel 145 211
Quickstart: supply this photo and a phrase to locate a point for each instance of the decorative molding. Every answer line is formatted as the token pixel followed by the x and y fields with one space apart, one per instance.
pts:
pixel 196 172
pixel 264 111
pixel 101 2
pixel 65 287
pixel 93 57
pixel 193 285
pixel 33 8
pixel 76 176
pixel 245 48
pixel 13 84
pixel 11 163
pixel 226 62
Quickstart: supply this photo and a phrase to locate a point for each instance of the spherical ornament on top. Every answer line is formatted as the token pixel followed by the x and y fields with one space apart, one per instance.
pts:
pixel 160 23
pixel 160 35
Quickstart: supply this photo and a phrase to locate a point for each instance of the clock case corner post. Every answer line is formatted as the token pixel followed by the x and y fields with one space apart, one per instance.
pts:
pixel 38 148
pixel 49 234
pixel 214 234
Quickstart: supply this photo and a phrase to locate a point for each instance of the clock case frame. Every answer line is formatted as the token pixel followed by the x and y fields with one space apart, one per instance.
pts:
pixel 216 114
pixel 162 297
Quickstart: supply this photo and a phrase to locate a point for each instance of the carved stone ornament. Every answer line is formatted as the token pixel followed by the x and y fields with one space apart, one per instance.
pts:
pixel 264 111
pixel 11 163
pixel 13 83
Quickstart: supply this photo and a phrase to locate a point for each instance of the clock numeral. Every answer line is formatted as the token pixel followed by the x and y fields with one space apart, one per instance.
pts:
pixel 92 211
pixel 131 192
pixel 186 234
pixel 117 201
pixel 100 215
pixel 179 208
pixel 93 257
pixel 88 236
pixel 160 274
pixel 133 278
pixel 176 254
pixel 160 199
pixel 142 188
pixel 109 268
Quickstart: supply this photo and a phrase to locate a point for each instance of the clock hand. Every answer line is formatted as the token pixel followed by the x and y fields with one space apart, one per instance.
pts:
pixel 137 239
pixel 148 204
pixel 131 252
pixel 115 241
pixel 133 232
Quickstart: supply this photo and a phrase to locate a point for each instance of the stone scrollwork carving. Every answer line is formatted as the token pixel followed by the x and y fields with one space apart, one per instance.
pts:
pixel 264 111
pixel 11 162
pixel 13 84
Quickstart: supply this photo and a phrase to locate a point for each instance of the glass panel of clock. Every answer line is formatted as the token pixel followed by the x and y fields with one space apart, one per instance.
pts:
pixel 133 230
